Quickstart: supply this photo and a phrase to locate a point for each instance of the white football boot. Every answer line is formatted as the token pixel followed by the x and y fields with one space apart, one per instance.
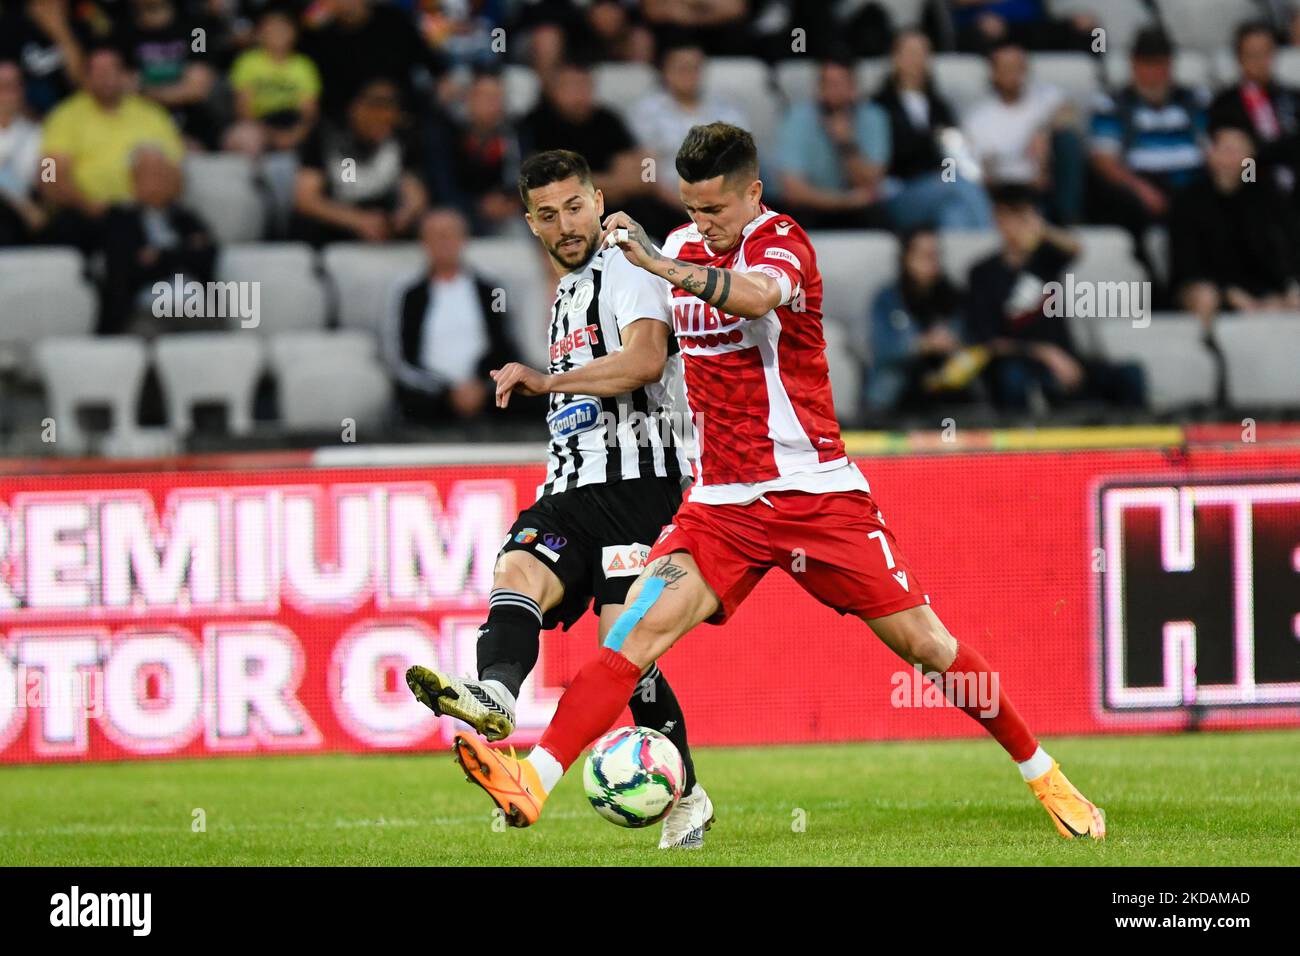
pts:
pixel 684 827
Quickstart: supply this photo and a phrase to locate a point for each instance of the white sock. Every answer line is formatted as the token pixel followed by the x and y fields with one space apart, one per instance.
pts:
pixel 1037 765
pixel 548 768
pixel 500 692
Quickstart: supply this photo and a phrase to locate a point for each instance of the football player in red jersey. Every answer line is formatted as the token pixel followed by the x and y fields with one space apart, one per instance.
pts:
pixel 772 480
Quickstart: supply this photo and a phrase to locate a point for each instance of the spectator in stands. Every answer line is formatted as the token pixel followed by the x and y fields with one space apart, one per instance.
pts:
pixel 1024 133
pixel 169 70
pixel 277 90
pixel 1006 313
pixel 923 190
pixel 20 152
pixel 1233 243
pixel 150 238
pixel 721 26
pixel 555 30
pixel 359 181
pixel 1259 103
pixel 91 137
pixel 619 31
pixel 446 331
pixel 462 34
pixel 568 117
pixel 661 120
pixel 363 40
pixel 1146 140
pixel 981 24
pixel 484 158
pixel 832 154
pixel 915 329
pixel 48 41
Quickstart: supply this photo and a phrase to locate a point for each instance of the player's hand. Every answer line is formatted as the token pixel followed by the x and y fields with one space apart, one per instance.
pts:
pixel 636 245
pixel 519 377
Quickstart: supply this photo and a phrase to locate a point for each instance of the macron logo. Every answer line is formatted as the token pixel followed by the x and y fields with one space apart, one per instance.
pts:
pixel 783 228
pixel 103 909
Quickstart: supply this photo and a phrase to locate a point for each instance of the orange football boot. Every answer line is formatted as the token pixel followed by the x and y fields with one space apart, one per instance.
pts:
pixel 1074 815
pixel 512 783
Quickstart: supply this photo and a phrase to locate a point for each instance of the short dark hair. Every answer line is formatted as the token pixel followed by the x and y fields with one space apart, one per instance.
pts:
pixel 1152 43
pixel 552 166
pixel 716 149
pixel 1012 195
pixel 1248 29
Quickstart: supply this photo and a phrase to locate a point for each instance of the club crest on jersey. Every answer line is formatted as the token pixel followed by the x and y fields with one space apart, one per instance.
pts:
pixel 526 536
pixel 574 418
pixel 580 298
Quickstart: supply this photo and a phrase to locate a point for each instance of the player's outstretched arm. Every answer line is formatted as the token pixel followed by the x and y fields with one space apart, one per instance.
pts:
pixel 639 362
pixel 750 295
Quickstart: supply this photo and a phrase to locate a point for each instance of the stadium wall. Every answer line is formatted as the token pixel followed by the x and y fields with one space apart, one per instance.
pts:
pixel 272 604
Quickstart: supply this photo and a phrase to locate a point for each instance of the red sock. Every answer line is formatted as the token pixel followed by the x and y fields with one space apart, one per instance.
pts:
pixel 971 671
pixel 590 705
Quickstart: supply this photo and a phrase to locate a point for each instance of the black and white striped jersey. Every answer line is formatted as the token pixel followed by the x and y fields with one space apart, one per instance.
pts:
pixel 638 434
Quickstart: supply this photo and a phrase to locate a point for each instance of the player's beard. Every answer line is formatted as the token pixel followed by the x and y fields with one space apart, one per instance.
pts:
pixel 574 257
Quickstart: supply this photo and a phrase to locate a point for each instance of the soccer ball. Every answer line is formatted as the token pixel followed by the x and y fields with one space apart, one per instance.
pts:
pixel 633 776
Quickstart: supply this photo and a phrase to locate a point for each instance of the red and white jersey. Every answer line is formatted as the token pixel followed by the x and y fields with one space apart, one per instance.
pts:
pixel 759 389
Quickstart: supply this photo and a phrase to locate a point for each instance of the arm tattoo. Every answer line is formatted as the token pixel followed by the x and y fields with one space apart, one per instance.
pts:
pixel 710 284
pixel 681 274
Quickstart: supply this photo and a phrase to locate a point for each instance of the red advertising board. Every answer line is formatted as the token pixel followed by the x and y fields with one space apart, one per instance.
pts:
pixel 200 612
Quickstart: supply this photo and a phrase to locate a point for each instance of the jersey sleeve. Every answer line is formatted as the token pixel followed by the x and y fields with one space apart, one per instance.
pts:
pixel 636 294
pixel 782 256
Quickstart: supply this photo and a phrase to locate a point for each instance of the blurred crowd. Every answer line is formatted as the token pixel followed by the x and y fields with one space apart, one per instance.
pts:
pixel 380 121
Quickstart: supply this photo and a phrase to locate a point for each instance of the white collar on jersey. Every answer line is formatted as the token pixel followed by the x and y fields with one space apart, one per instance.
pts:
pixel 763 216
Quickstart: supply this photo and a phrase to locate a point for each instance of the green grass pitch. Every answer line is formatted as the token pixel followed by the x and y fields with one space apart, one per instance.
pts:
pixel 1194 799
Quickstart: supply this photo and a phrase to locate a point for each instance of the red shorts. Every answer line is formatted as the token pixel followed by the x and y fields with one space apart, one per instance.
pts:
pixel 835 545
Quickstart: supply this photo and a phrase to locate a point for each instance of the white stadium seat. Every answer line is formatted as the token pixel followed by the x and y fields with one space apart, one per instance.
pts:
pixel 344 346
pixel 904 13
pixel 962 79
pixel 290 293
pixel 1205 24
pixel 522 269
pixel 854 266
pixel 871 75
pixel 845 371
pixel 961 250
pixel 1121 19
pixel 1191 68
pixel 522 89
pixel 796 79
pixel 209 367
pixel 220 189
pixel 1077 74
pixel 620 85
pixel 1180 371
pixel 1262 353
pixel 1286 66
pixel 745 83
pixel 44 291
pixel 319 392
pixel 79 372
pixel 364 276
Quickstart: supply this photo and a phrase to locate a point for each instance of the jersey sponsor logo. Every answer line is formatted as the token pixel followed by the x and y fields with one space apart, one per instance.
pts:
pixel 692 315
pixel 554 541
pixel 577 339
pixel 772 271
pixel 543 549
pixel 574 418
pixel 526 536
pixel 783 254
pixel 624 560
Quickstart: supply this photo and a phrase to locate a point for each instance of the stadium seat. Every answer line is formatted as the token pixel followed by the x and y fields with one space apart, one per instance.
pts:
pixel 1262 353
pixel 344 346
pixel 44 291
pixel 1191 68
pixel 521 268
pixel 796 79
pixel 745 82
pixel 1121 19
pixel 364 277
pixel 961 250
pixel 1078 74
pixel 290 293
pixel 78 372
pixel 209 367
pixel 620 86
pixel 322 391
pixel 1180 371
pixel 845 371
pixel 522 89
pixel 855 266
pixel 1286 66
pixel 1205 24
pixel 904 13
pixel 963 79
pixel 221 189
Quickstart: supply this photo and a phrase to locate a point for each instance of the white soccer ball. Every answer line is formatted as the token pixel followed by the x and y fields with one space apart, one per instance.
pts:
pixel 633 776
